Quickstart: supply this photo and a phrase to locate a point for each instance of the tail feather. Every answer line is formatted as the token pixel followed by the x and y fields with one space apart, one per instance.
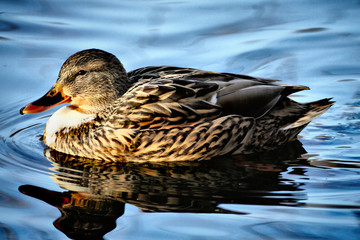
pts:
pixel 315 110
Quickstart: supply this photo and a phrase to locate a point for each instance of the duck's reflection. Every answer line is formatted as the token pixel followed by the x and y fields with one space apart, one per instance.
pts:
pixel 97 192
pixel 83 215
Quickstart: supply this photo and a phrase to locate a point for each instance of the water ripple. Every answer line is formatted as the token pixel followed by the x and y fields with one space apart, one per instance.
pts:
pixel 6 232
pixel 21 145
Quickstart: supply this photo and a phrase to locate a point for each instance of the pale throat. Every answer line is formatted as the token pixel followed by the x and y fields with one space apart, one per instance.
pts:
pixel 64 120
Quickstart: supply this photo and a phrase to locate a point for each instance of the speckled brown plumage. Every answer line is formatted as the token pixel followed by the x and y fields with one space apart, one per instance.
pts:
pixel 171 113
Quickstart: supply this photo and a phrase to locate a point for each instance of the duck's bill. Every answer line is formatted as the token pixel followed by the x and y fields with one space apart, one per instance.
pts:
pixel 49 100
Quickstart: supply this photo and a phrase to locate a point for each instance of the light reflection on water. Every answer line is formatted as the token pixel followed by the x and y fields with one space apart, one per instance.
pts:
pixel 287 194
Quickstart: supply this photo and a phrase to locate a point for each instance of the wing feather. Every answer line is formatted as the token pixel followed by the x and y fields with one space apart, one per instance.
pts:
pixel 176 93
pixel 166 102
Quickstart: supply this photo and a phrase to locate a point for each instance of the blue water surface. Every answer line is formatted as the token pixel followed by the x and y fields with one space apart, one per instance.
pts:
pixel 306 190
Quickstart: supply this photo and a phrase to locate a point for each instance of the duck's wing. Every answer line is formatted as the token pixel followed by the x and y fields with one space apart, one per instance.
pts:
pixel 170 72
pixel 167 102
pixel 235 94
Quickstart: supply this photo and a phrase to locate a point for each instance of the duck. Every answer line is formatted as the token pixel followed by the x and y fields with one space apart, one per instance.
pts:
pixel 166 113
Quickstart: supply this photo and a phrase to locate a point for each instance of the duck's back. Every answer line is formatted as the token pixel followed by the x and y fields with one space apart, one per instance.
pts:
pixel 234 93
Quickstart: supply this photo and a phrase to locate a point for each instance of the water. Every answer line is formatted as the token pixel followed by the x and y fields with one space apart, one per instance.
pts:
pixel 305 190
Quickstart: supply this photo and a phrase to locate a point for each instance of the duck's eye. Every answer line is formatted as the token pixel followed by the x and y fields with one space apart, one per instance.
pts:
pixel 81 72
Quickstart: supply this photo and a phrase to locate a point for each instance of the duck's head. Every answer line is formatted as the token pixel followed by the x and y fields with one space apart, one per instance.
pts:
pixel 89 81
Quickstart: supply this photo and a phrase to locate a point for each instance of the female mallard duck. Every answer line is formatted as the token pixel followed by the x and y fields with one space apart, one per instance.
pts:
pixel 166 113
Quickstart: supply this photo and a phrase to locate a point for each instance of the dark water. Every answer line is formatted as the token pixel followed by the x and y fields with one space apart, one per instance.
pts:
pixel 305 190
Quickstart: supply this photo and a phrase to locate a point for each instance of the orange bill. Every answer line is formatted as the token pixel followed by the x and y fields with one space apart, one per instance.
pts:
pixel 51 99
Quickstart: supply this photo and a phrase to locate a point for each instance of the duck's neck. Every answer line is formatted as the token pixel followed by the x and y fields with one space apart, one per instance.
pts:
pixel 64 120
